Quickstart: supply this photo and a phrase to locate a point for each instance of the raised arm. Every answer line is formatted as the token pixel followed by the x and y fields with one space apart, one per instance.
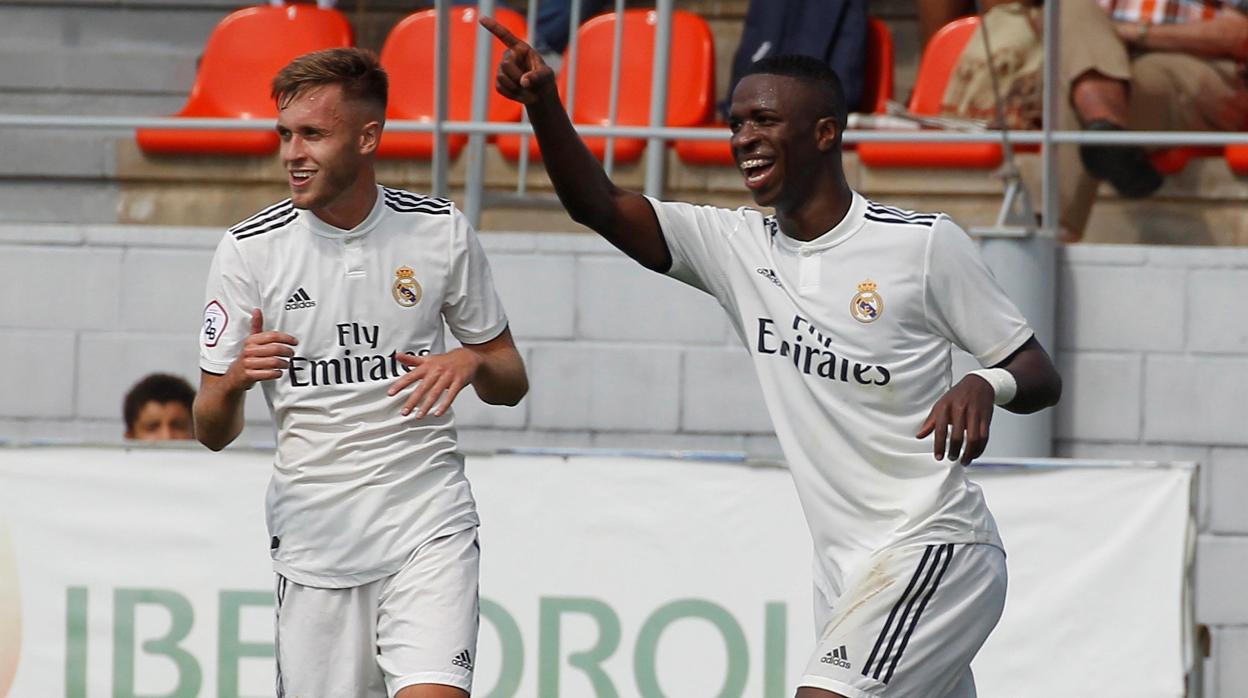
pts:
pixel 624 218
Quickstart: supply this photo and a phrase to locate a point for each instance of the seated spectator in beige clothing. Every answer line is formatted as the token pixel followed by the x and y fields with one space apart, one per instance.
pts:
pixel 158 408
pixel 1151 65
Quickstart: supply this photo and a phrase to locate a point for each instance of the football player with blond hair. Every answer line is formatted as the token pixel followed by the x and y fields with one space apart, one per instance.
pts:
pixel 333 301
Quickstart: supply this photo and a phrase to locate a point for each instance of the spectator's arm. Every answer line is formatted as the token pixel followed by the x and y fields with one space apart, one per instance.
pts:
pixel 1224 36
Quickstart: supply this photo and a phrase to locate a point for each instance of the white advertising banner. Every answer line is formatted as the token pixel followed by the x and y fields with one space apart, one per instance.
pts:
pixel 144 573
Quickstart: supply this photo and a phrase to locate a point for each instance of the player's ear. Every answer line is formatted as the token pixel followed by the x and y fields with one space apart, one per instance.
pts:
pixel 827 133
pixel 370 136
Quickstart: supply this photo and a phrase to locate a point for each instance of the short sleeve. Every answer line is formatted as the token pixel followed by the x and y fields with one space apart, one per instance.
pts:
pixel 472 307
pixel 698 238
pixel 964 302
pixel 229 300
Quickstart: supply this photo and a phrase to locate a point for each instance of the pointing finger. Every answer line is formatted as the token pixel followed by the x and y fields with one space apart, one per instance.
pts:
pixel 503 33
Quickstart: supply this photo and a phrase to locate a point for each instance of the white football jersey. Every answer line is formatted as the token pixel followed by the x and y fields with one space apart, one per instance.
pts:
pixel 850 335
pixel 356 486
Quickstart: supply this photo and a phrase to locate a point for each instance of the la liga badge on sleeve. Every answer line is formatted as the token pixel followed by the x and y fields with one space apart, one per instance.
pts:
pixel 215 320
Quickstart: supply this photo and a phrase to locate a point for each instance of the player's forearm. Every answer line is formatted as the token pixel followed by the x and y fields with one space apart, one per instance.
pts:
pixel 501 378
pixel 1039 383
pixel 218 414
pixel 583 187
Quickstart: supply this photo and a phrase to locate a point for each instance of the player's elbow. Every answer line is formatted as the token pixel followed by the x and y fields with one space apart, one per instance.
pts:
pixel 209 433
pixel 1053 392
pixel 209 442
pixel 509 394
pixel 595 208
pixel 1040 394
pixel 1048 389
pixel 213 441
pixel 596 218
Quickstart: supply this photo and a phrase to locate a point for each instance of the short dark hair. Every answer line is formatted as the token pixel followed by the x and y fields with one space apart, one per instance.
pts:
pixel 159 388
pixel 813 72
pixel 356 70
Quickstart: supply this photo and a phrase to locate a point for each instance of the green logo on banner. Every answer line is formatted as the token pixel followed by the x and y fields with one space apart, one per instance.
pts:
pixel 553 658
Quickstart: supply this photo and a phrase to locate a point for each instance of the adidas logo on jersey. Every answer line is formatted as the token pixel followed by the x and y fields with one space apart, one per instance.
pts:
pixel 771 275
pixel 300 300
pixel 463 659
pixel 838 656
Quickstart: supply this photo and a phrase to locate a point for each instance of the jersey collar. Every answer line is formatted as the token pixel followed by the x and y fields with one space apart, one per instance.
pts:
pixel 324 229
pixel 850 224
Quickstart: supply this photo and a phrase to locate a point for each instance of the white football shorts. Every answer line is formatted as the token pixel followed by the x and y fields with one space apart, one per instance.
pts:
pixel 418 625
pixel 909 623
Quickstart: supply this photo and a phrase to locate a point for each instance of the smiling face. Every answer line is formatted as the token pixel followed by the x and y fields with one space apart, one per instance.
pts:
pixel 781 138
pixel 327 149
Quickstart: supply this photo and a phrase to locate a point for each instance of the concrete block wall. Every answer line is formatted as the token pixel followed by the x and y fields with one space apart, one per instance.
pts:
pixel 1153 346
pixel 1152 342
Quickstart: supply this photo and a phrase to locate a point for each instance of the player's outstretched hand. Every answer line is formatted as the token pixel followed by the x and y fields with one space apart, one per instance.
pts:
pixel 264 355
pixel 522 74
pixel 963 415
pixel 437 376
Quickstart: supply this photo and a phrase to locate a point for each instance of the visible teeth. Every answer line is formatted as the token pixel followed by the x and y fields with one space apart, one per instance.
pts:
pixel 301 175
pixel 748 164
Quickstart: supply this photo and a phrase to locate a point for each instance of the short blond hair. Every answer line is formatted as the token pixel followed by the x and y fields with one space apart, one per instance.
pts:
pixel 356 70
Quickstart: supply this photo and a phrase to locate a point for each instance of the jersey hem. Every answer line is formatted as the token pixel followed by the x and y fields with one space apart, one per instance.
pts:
pixel 357 579
pixel 464 683
pixel 979 537
pixel 1002 351
pixel 318 581
pixel 822 682
pixel 972 536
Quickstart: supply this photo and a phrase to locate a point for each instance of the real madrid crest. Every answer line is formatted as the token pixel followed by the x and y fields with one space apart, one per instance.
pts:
pixel 406 290
pixel 868 305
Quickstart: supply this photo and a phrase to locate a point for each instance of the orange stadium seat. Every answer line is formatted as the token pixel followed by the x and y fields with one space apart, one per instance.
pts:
pixel 1170 161
pixel 408 56
pixel 877 89
pixel 243 54
pixel 1237 158
pixel 939 59
pixel 691 79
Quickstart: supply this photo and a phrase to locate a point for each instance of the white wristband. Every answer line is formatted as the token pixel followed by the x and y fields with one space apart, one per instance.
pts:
pixel 1004 387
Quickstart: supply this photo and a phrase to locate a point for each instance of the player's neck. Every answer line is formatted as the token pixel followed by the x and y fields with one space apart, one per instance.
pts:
pixel 353 205
pixel 820 212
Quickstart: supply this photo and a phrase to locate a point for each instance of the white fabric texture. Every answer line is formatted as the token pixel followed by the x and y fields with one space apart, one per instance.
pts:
pixel 909 623
pixel 418 625
pixel 356 486
pixel 850 335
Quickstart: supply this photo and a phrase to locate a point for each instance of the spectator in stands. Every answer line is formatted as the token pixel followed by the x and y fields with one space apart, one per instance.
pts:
pixel 1148 65
pixel 834 31
pixel 554 18
pixel 158 408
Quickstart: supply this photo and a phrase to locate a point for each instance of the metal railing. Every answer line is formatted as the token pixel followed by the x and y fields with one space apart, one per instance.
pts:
pixel 657 136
